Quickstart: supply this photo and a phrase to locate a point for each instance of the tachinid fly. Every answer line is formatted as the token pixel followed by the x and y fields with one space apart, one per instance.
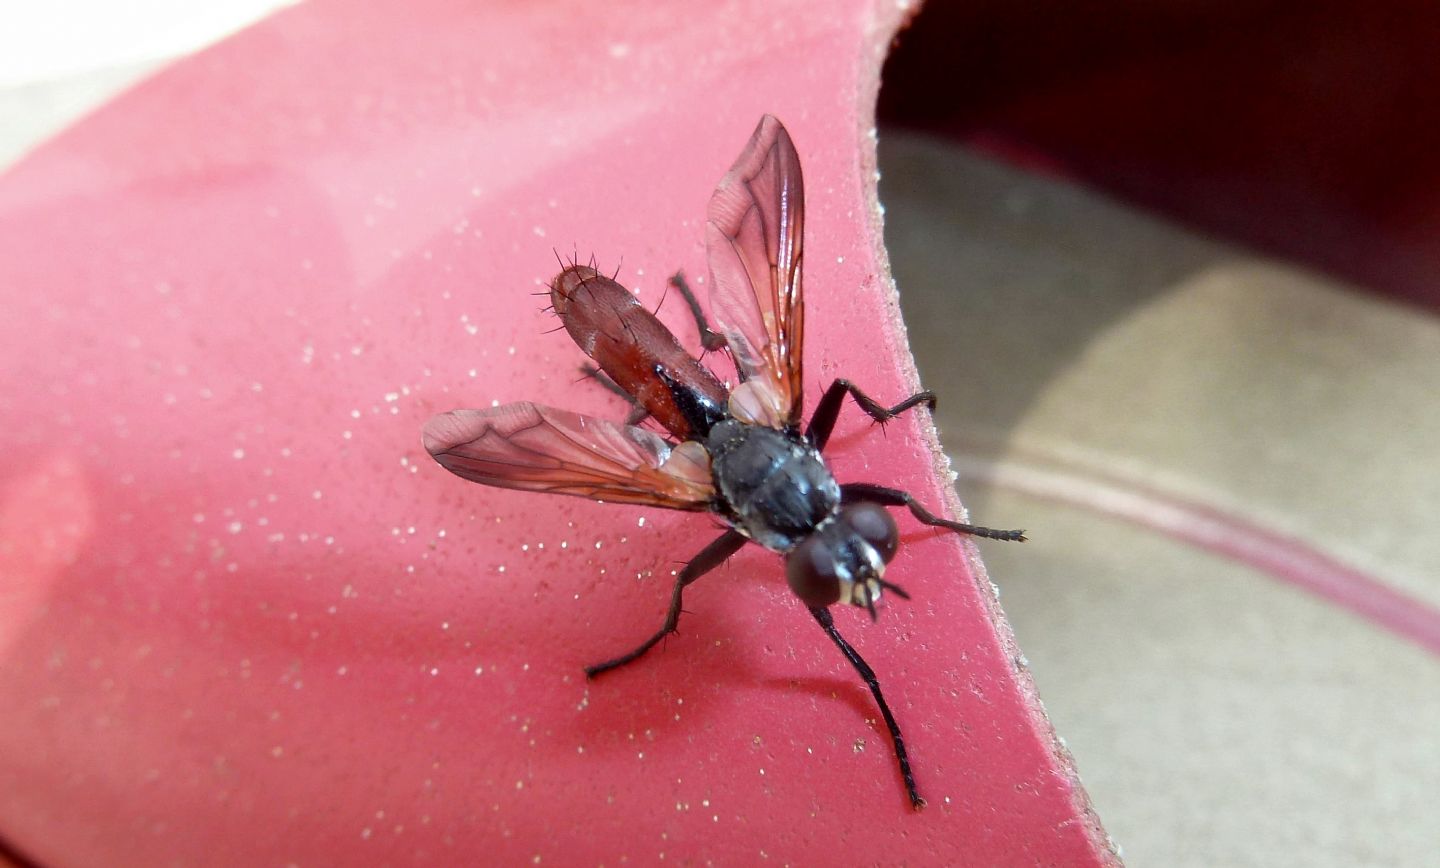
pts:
pixel 738 453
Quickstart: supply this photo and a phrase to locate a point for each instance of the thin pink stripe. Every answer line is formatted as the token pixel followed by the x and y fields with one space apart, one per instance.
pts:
pixel 1277 554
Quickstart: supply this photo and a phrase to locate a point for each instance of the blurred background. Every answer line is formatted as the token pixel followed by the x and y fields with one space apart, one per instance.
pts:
pixel 1173 270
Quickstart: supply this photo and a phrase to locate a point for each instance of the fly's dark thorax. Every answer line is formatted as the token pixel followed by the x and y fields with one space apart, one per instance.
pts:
pixel 776 485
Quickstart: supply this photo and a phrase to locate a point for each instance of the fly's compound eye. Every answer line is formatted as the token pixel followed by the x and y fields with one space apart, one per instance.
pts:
pixel 813 573
pixel 872 523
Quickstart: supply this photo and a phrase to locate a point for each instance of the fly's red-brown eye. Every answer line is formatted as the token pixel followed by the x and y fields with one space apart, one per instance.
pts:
pixel 872 523
pixel 812 572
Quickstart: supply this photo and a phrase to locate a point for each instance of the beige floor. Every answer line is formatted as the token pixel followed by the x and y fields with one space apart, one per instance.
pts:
pixel 1093 362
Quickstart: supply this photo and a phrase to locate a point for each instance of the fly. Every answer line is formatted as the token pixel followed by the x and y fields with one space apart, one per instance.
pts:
pixel 740 454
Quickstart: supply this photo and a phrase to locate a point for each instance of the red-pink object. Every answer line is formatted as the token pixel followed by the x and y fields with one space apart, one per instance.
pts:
pixel 246 620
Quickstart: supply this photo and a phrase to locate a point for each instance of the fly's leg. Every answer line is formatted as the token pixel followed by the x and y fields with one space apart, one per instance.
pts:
pixel 710 340
pixel 827 623
pixel 828 410
pixel 637 410
pixel 709 558
pixel 853 492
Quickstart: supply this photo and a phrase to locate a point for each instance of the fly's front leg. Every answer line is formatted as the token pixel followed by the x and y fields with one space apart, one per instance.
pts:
pixel 853 492
pixel 709 558
pixel 827 623
pixel 828 410
pixel 710 340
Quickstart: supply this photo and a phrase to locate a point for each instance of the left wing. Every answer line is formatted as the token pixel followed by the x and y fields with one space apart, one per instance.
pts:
pixel 537 448
pixel 753 236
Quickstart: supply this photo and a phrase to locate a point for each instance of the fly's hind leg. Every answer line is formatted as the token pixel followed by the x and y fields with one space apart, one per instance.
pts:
pixel 637 412
pixel 709 339
pixel 709 558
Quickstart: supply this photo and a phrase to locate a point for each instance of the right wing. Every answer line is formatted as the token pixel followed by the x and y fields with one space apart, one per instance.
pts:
pixel 537 448
pixel 754 237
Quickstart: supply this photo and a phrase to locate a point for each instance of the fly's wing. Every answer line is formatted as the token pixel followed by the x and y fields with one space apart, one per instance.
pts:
pixel 753 236
pixel 536 448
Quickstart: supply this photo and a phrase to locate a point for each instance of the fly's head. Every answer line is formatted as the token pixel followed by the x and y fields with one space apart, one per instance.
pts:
pixel 844 560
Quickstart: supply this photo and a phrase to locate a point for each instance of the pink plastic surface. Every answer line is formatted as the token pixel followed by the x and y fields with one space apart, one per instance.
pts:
pixel 246 620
